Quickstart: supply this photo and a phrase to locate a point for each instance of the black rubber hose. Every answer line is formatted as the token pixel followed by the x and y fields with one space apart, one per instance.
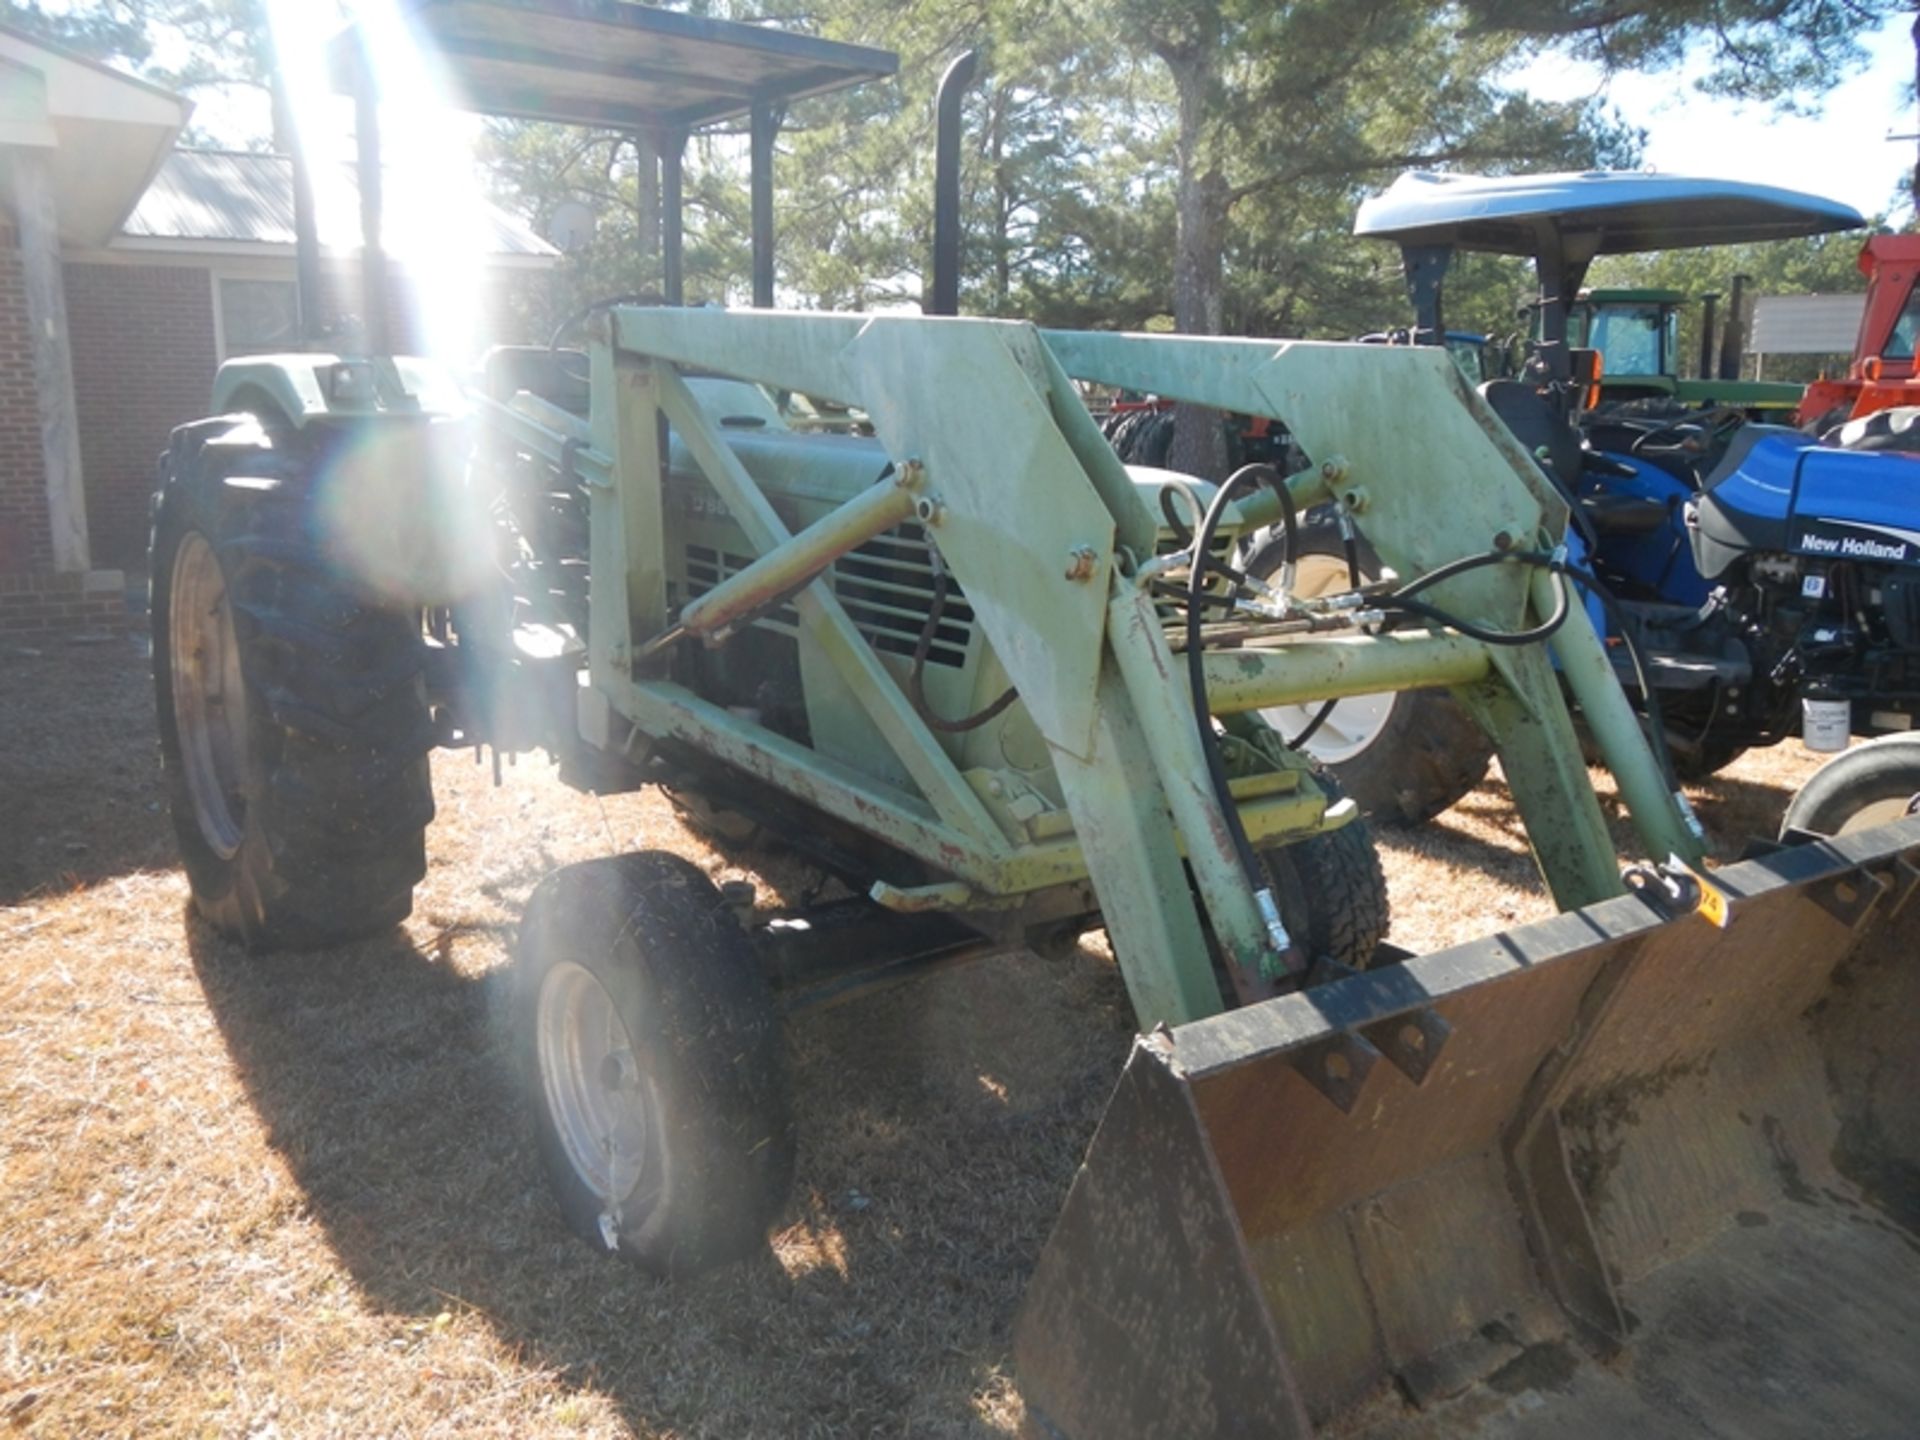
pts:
pixel 1350 548
pixel 916 674
pixel 580 317
pixel 1402 600
pixel 1196 667
pixel 1624 623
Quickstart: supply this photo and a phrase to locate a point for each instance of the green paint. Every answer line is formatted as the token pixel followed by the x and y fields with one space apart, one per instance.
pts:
pixel 1095 773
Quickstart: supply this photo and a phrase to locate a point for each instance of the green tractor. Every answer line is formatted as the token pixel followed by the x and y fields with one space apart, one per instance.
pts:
pixel 1010 691
pixel 1637 334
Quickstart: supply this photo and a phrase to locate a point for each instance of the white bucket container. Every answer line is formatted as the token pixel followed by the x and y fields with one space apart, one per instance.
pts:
pixel 1825 725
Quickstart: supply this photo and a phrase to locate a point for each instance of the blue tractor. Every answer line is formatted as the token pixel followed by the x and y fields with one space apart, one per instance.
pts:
pixel 1754 581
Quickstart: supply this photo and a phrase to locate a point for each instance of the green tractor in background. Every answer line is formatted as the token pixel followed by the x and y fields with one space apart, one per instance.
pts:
pixel 1637 331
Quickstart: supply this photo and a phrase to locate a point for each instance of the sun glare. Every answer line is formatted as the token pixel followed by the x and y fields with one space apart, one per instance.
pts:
pixel 435 226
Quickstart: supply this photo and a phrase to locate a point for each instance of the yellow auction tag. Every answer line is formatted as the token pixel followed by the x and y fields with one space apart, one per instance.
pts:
pixel 1713 904
pixel 1713 900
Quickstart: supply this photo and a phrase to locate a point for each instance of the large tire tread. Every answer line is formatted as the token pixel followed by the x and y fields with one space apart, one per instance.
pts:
pixel 1332 889
pixel 338 792
pixel 656 934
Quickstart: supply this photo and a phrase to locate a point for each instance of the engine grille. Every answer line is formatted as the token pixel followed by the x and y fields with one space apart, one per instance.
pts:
pixel 886 587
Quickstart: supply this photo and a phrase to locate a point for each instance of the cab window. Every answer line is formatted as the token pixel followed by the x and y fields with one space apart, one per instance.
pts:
pixel 1629 338
pixel 1906 330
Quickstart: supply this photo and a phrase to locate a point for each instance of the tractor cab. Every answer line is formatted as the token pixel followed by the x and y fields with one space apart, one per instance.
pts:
pixel 1637 334
pixel 1637 330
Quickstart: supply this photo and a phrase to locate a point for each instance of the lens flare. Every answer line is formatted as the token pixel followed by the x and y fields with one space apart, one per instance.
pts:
pixel 393 511
pixel 436 227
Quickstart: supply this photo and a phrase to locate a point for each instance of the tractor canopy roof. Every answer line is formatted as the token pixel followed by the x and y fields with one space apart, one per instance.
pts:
pixel 1616 295
pixel 612 64
pixel 1598 212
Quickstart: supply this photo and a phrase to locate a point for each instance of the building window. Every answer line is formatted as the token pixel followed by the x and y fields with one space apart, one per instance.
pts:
pixel 259 316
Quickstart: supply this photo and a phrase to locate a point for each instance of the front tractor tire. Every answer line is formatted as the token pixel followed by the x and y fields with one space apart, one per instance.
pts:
pixel 654 1062
pixel 292 714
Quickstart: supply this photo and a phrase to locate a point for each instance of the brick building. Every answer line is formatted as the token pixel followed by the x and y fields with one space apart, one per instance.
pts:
pixel 128 271
pixel 78 145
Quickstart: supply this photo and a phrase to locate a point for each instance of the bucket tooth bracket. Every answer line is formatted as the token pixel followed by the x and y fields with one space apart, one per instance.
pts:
pixel 1411 1042
pixel 1338 1068
pixel 1850 897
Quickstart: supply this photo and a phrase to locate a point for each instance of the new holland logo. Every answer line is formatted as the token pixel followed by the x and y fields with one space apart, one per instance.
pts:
pixel 1848 540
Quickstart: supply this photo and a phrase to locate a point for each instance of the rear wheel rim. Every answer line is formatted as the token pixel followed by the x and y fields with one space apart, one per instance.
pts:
pixel 1352 725
pixel 209 694
pixel 604 1109
pixel 1879 812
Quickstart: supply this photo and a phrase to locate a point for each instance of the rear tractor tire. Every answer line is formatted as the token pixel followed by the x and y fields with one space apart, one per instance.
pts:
pixel 1404 757
pixel 1896 430
pixel 292 715
pixel 654 1061
pixel 1872 784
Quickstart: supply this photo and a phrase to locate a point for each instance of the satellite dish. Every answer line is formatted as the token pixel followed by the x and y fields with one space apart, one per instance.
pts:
pixel 570 228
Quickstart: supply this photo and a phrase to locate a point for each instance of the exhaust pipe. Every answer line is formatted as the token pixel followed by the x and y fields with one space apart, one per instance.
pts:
pixel 944 294
pixel 1709 314
pixel 1733 343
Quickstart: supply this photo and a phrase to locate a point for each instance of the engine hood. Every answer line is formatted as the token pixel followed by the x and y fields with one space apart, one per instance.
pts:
pixel 1789 494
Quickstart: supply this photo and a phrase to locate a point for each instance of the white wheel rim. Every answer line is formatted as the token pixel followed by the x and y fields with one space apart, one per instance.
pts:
pixel 209 695
pixel 603 1107
pixel 1354 724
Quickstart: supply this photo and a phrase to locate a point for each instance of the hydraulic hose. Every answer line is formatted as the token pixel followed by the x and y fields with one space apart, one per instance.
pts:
pixel 1256 875
pixel 1628 629
pixel 1350 548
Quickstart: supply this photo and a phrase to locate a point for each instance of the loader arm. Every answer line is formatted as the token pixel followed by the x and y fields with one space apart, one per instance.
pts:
pixel 1048 537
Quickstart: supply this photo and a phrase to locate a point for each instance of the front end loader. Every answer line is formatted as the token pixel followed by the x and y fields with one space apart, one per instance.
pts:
pixel 1646 1168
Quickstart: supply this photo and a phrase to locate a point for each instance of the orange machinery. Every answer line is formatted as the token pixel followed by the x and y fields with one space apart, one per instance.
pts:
pixel 1882 374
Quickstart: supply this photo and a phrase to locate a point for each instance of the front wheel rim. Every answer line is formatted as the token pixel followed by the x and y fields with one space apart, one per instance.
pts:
pixel 603 1107
pixel 209 694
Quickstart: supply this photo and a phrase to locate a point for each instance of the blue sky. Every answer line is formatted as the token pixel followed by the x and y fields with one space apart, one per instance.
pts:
pixel 1840 152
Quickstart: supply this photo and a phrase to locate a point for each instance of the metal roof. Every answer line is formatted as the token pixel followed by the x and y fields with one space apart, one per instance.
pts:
pixel 1806 324
pixel 238 198
pixel 617 65
pixel 103 133
pixel 1599 212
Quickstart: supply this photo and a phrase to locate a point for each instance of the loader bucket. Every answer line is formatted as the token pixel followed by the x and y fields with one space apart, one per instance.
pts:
pixel 1608 1175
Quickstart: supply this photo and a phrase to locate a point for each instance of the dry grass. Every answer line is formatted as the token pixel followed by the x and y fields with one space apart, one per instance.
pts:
pixel 295 1196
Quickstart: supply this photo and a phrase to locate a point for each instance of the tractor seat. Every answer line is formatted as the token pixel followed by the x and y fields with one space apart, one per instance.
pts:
pixel 1624 516
pixel 1539 428
pixel 556 376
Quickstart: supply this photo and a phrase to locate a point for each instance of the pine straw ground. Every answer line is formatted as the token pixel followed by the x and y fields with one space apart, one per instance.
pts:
pixel 295 1196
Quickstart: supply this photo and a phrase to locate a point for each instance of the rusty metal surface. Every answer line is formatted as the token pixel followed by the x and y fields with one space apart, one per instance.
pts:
pixel 1619 1098
pixel 1156 1268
